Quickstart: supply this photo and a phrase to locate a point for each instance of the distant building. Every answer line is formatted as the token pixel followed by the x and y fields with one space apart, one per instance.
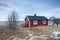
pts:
pixel 33 21
pixel 50 22
pixel 54 22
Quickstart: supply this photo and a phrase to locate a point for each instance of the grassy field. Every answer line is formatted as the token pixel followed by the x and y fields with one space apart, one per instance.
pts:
pixel 23 32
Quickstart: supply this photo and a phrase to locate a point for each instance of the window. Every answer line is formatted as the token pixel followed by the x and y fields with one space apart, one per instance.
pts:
pixel 44 22
pixel 35 22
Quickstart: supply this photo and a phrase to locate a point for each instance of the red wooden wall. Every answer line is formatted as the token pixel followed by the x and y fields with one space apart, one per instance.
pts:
pixel 32 25
pixel 39 23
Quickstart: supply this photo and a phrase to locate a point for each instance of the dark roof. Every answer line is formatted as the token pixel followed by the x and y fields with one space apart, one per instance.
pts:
pixel 37 18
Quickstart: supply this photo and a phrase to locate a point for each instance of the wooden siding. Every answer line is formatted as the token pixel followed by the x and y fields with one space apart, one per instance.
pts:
pixel 31 24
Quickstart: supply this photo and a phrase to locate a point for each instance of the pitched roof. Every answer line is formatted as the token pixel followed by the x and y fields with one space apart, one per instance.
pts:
pixel 37 18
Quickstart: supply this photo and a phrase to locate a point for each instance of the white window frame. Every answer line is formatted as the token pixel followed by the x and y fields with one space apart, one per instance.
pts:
pixel 35 22
pixel 44 21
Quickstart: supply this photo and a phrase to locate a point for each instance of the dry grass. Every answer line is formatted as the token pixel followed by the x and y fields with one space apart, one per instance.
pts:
pixel 6 33
pixel 22 32
pixel 49 38
pixel 46 29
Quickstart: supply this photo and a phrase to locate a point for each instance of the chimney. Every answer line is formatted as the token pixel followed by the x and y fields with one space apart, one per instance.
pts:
pixel 34 14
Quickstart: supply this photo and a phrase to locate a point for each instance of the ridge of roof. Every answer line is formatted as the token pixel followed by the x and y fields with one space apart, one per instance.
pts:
pixel 37 18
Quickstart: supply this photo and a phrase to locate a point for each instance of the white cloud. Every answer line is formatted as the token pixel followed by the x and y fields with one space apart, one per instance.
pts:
pixel 28 7
pixel 53 12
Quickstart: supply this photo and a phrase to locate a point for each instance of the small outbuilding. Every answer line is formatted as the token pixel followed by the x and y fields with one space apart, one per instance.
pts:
pixel 33 21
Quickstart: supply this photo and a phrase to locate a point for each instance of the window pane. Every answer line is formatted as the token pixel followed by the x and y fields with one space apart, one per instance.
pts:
pixel 44 22
pixel 34 22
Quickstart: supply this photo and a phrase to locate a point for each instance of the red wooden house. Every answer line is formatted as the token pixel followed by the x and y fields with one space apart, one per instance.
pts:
pixel 33 21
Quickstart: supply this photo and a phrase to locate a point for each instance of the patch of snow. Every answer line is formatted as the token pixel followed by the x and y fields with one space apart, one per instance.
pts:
pixel 30 34
pixel 55 33
pixel 34 37
pixel 42 36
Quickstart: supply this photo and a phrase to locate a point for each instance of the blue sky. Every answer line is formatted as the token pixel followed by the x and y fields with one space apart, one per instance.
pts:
pixel 23 8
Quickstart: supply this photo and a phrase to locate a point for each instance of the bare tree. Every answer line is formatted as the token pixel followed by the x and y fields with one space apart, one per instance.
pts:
pixel 12 20
pixel 52 18
pixel 57 21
